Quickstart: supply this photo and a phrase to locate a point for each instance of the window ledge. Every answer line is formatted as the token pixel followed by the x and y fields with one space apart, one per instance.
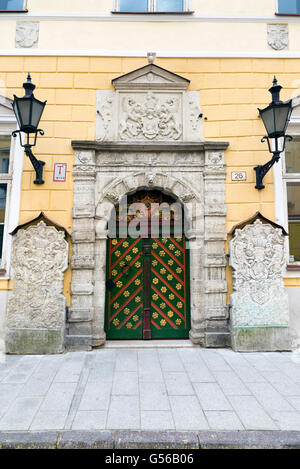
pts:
pixel 293 268
pixel 287 14
pixel 13 11
pixel 152 12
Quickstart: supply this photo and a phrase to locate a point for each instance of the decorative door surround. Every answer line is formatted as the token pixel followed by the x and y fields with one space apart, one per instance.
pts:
pixel 149 136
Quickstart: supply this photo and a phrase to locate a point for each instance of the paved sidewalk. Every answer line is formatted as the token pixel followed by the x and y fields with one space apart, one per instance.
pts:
pixel 187 389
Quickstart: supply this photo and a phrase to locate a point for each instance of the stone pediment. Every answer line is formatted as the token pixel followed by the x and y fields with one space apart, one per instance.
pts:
pixel 7 116
pixel 150 77
pixel 150 104
pixel 6 109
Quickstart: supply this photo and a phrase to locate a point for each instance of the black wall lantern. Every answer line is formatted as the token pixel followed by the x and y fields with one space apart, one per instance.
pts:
pixel 28 111
pixel 275 118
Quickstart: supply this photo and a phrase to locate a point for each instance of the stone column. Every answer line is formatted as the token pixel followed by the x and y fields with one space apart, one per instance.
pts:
pixel 216 312
pixel 81 312
pixel 260 308
pixel 196 248
pixel 37 308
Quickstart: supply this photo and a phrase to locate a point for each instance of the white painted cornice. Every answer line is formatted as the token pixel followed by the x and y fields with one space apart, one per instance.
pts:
pixel 143 53
pixel 150 17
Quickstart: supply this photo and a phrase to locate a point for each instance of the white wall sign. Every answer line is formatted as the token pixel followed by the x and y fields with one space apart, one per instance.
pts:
pixel 60 172
pixel 239 176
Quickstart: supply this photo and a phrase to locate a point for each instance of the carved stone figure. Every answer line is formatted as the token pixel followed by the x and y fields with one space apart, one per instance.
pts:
pixel 39 259
pixel 104 111
pixel 278 36
pixel 27 34
pixel 259 302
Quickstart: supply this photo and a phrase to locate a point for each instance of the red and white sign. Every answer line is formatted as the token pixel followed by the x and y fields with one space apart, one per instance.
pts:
pixel 60 172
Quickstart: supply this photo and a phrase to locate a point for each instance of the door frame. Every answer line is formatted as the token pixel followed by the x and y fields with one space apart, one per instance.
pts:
pixel 195 175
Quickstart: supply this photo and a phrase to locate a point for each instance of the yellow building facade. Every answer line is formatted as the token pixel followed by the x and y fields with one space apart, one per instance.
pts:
pixel 229 52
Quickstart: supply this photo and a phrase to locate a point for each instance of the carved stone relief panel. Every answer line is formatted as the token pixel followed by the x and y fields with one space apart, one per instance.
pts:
pixel 259 303
pixel 36 308
pixel 27 34
pixel 278 36
pixel 106 101
pixel 149 104
pixel 150 116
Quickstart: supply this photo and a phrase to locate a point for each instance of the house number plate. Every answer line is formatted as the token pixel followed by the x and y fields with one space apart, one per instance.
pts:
pixel 239 176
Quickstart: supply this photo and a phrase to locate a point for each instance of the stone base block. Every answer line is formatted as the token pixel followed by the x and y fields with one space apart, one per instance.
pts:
pixel 217 339
pixel 261 339
pixel 197 338
pixel 79 342
pixel 34 341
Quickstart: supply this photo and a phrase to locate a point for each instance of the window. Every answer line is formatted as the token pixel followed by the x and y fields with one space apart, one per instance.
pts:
pixel 287 192
pixel 4 181
pixel 12 5
pixel 11 162
pixel 151 6
pixel 289 7
pixel 292 182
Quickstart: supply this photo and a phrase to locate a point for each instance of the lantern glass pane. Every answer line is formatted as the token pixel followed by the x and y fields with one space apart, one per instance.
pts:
pixel 37 110
pixel 267 116
pixel 281 118
pixel 24 110
pixel 276 119
pixel 16 111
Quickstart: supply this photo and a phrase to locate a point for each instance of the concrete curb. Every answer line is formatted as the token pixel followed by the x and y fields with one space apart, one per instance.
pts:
pixel 127 439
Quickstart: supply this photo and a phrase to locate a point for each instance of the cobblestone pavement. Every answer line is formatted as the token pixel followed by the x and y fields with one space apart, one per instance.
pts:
pixel 151 389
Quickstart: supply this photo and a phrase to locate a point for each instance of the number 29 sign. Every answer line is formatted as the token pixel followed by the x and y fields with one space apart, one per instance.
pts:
pixel 60 172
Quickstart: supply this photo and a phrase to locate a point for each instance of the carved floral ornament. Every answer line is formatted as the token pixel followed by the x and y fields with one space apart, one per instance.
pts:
pixel 39 259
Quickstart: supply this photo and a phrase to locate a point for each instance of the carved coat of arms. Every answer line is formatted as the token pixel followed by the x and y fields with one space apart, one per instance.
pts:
pixel 258 258
pixel 278 38
pixel 150 119
pixel 27 34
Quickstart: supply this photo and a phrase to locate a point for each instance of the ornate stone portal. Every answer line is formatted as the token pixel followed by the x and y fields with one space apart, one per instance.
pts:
pixel 149 136
pixel 260 309
pixel 36 310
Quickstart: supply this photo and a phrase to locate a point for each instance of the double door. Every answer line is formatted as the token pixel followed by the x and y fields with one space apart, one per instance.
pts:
pixel 147 288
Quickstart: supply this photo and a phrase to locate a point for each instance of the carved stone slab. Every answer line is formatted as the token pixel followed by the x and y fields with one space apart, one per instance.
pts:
pixel 260 309
pixel 278 36
pixel 27 34
pixel 150 104
pixel 36 309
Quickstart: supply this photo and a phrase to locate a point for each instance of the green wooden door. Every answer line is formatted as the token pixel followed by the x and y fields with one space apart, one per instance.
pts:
pixel 124 289
pixel 147 291
pixel 169 288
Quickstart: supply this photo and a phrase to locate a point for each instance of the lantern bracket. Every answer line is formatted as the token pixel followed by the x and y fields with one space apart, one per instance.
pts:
pixel 37 164
pixel 262 170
